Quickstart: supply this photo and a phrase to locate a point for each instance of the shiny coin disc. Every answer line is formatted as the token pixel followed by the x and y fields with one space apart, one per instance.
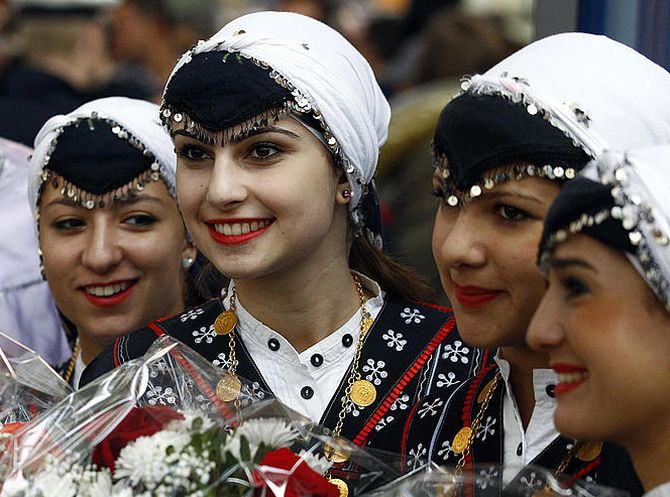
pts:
pixel 363 393
pixel 228 388
pixel 367 324
pixel 486 391
pixel 589 451
pixel 225 322
pixel 461 440
pixel 341 486
pixel 335 453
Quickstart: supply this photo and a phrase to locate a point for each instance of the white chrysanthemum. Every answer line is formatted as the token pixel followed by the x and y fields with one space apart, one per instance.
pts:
pixel 49 483
pixel 317 463
pixel 144 459
pixel 272 432
pixel 96 483
pixel 186 423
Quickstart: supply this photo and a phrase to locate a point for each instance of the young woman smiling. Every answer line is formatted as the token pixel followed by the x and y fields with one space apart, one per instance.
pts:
pixel 503 149
pixel 277 122
pixel 113 245
pixel 604 320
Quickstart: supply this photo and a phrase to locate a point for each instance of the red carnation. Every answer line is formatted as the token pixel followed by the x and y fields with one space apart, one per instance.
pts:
pixel 302 482
pixel 140 422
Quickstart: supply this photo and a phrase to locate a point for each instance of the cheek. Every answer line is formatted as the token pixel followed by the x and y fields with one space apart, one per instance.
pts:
pixel 441 229
pixel 191 191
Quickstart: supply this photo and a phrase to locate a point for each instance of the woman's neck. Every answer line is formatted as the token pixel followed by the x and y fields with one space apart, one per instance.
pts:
pixel 304 308
pixel 523 361
pixel 649 448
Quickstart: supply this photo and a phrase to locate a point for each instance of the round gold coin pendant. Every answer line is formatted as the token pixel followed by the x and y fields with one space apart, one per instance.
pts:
pixel 228 388
pixel 341 486
pixel 589 451
pixel 334 452
pixel 461 440
pixel 225 322
pixel 363 393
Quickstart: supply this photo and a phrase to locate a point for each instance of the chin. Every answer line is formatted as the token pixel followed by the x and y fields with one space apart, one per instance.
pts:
pixel 579 424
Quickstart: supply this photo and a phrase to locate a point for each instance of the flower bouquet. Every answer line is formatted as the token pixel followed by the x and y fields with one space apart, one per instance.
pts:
pixel 172 424
pixel 28 385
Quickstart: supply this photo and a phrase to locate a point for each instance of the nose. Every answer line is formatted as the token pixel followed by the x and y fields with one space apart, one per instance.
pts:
pixel 103 251
pixel 546 330
pixel 227 183
pixel 458 239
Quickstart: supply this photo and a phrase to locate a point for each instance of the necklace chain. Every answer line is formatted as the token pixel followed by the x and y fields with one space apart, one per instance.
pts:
pixel 76 350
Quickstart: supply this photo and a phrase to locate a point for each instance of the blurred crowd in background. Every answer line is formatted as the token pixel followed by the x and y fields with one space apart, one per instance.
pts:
pixel 57 54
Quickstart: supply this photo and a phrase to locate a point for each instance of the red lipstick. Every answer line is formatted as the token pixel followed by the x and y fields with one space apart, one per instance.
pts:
pixel 224 239
pixel 569 377
pixel 112 300
pixel 474 297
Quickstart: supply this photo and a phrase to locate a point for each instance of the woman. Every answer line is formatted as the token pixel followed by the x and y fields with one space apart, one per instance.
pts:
pixel 604 319
pixel 503 148
pixel 112 242
pixel 277 122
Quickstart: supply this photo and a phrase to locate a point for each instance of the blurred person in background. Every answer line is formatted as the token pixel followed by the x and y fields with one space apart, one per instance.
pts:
pixel 57 58
pixel 148 36
pixel 27 311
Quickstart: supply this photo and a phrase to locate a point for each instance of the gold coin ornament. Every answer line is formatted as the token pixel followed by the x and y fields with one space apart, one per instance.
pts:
pixel 335 452
pixel 461 440
pixel 589 451
pixel 225 322
pixel 367 324
pixel 486 391
pixel 228 388
pixel 341 486
pixel 363 393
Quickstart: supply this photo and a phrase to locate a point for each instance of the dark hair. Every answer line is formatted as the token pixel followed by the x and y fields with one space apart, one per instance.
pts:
pixel 393 277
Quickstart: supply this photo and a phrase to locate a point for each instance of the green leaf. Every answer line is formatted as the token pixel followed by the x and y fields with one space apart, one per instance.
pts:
pixel 245 451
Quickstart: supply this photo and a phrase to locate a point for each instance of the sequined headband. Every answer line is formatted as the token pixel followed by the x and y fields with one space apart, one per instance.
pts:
pixel 485 139
pixel 76 164
pixel 613 214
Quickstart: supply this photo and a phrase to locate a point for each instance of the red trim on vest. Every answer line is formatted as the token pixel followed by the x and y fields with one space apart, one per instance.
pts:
pixel 116 353
pixel 156 329
pixel 363 435
pixel 466 413
pixel 585 470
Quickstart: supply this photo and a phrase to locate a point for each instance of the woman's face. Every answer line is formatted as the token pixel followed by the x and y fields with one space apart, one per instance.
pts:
pixel 608 338
pixel 485 253
pixel 264 205
pixel 114 269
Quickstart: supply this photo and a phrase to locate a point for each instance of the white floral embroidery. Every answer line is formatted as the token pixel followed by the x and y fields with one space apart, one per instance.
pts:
pixel 254 390
pixel 446 450
pixel 458 352
pixel 416 456
pixel 157 395
pixel 393 339
pixel 204 403
pixel 205 333
pixel 375 370
pixel 430 408
pixel 532 481
pixel 447 381
pixel 191 314
pixel 412 315
pixel 486 428
pixel 158 368
pixel 487 476
pixel 384 422
pixel 353 408
pixel 401 403
pixel 223 362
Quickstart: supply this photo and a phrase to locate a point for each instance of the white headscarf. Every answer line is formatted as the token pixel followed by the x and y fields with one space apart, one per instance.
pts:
pixel 326 69
pixel 601 93
pixel 641 190
pixel 139 118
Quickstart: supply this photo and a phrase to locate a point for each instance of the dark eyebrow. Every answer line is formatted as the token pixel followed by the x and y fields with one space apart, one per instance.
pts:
pixel 501 194
pixel 246 135
pixel 564 263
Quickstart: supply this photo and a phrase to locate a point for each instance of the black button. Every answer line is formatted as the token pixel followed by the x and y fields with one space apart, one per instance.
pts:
pixel 347 340
pixel 273 344
pixel 550 390
pixel 317 360
pixel 307 393
pixel 519 450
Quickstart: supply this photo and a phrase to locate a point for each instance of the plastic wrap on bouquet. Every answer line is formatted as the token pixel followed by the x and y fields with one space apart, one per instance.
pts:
pixel 171 423
pixel 485 480
pixel 28 385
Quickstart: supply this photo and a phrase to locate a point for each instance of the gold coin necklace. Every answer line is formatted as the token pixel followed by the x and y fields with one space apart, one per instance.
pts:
pixel 359 391
pixel 229 386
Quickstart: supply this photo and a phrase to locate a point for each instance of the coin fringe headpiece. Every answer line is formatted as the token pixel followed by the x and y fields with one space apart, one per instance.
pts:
pixel 624 202
pixel 597 92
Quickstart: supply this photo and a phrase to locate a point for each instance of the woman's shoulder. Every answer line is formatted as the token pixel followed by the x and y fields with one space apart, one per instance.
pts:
pixel 136 344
